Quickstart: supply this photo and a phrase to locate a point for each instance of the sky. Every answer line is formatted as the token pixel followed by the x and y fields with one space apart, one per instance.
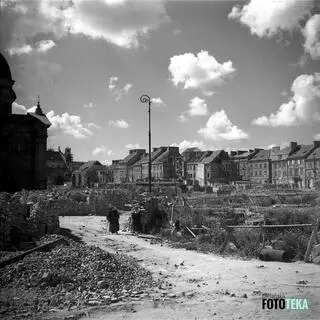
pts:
pixel 221 74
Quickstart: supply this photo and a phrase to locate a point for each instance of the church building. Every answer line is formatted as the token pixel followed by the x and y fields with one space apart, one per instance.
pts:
pixel 23 141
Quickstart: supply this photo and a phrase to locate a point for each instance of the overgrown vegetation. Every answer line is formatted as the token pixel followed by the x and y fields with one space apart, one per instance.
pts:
pixel 210 211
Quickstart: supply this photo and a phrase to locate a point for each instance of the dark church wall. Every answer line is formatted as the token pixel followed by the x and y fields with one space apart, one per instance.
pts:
pixel 23 141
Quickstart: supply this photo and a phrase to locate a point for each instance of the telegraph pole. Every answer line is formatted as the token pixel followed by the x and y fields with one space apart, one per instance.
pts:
pixel 146 99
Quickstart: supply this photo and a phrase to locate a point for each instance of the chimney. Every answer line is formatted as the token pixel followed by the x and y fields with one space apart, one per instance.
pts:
pixel 293 145
pixel 316 144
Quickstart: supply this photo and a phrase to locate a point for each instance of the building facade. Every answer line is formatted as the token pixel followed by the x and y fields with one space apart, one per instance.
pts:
pixel 89 175
pixel 260 167
pixel 279 163
pixel 23 141
pixel 297 165
pixel 241 158
pixel 123 171
pixel 313 169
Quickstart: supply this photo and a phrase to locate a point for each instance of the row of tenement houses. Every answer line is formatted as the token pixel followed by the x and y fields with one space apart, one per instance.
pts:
pixel 295 165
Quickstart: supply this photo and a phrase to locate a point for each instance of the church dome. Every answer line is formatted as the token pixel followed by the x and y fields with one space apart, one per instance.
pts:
pixel 5 72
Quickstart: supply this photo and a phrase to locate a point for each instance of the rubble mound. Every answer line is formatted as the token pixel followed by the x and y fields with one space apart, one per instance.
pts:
pixel 69 277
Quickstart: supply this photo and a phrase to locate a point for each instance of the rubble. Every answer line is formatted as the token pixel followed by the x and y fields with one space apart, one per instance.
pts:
pixel 70 277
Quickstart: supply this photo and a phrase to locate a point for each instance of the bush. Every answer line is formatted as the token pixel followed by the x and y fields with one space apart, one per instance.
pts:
pixel 291 215
pixel 248 241
pixel 294 241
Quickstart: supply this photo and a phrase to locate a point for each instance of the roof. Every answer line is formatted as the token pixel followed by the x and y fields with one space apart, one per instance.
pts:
pixel 247 154
pixel 53 155
pixel 90 164
pixel 199 158
pixel 262 155
pixel 5 72
pixel 211 157
pixel 195 156
pixel 283 153
pixel 163 156
pixel 41 118
pixel 193 149
pixel 154 155
pixel 315 154
pixel 302 152
pixel 131 156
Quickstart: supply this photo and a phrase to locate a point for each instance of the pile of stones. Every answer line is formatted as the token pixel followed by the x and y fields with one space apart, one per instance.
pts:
pixel 70 277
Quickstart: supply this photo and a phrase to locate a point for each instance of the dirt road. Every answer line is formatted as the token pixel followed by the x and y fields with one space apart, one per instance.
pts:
pixel 203 286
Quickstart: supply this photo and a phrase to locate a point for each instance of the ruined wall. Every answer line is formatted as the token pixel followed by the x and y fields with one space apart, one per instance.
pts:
pixel 34 213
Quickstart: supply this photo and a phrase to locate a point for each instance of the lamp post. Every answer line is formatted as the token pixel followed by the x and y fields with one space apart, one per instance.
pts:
pixel 146 99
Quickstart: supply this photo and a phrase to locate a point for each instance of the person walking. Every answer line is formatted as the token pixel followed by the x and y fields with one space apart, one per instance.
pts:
pixel 113 218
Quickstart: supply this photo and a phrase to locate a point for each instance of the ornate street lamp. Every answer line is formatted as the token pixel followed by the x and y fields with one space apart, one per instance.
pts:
pixel 146 99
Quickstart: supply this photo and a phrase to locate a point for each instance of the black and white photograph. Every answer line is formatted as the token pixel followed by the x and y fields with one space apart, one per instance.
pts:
pixel 159 159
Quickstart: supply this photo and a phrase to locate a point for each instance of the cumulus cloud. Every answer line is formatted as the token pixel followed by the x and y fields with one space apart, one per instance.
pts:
pixel 132 146
pixel 302 107
pixel 269 18
pixel 102 150
pixel 93 125
pixel 68 124
pixel 115 90
pixel 157 101
pixel 122 124
pixel 311 32
pixel 20 109
pixel 121 23
pixel 201 71
pixel 24 49
pixel 65 123
pixel 185 144
pixel 45 45
pixel 219 127
pixel 198 107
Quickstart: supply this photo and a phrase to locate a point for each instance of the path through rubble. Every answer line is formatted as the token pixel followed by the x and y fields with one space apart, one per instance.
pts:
pixel 204 286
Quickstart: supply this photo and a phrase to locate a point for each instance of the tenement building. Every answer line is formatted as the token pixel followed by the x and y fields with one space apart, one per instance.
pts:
pixel 23 140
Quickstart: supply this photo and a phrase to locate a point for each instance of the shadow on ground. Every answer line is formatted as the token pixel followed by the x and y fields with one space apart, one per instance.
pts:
pixel 68 233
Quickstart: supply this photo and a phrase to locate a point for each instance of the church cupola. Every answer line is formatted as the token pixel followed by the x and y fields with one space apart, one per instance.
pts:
pixel 38 109
pixel 7 95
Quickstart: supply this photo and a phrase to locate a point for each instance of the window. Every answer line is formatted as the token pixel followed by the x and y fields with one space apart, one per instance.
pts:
pixel 301 171
pixel 265 172
pixel 265 165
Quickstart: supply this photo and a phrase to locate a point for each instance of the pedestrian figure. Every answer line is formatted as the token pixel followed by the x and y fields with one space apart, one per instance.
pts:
pixel 113 218
pixel 177 225
pixel 136 219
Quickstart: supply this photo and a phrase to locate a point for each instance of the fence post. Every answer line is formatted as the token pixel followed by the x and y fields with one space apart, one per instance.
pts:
pixel 227 239
pixel 314 237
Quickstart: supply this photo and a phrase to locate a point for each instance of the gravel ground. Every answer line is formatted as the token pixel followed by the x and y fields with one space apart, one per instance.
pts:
pixel 69 277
